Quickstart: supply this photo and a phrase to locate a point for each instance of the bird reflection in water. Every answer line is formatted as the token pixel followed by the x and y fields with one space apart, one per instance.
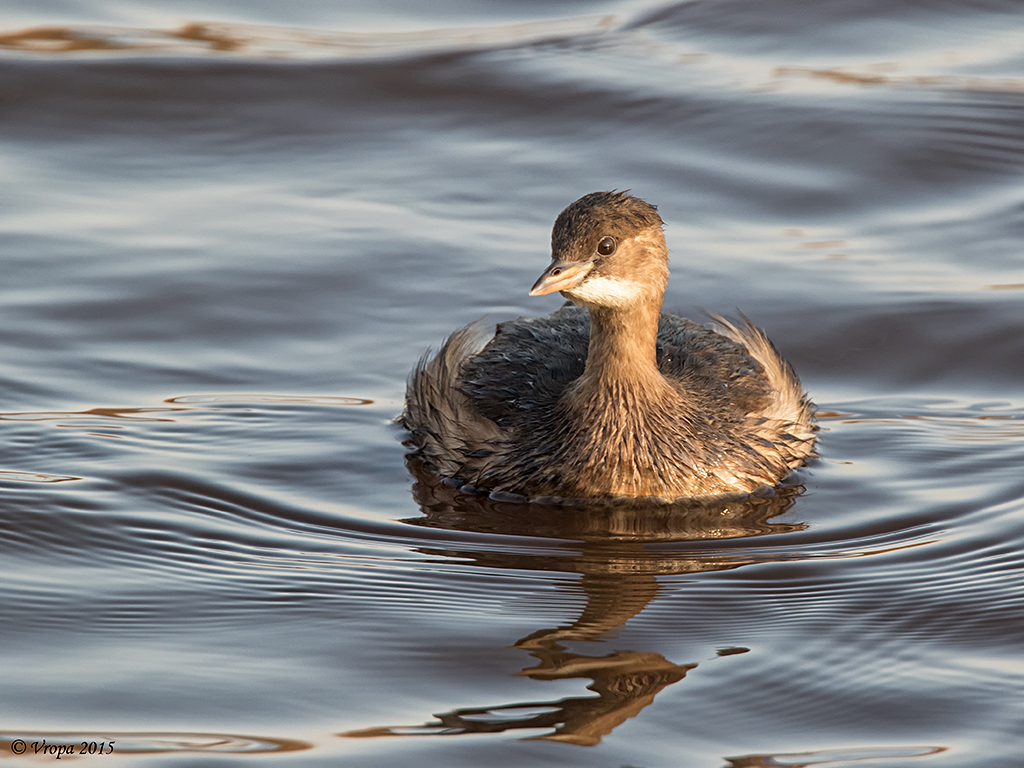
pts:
pixel 608 546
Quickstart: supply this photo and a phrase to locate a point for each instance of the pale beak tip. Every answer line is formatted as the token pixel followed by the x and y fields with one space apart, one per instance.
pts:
pixel 537 290
pixel 560 276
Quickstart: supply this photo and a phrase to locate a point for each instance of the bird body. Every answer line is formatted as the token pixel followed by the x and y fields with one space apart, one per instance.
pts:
pixel 610 398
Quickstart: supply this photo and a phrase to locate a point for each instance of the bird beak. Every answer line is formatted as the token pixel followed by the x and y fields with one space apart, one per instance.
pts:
pixel 561 276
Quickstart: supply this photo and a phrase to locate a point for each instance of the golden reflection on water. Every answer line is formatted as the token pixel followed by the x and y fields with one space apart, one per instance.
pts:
pixel 264 41
pixel 135 414
pixel 619 578
pixel 625 681
pixel 444 506
pixel 57 40
pixel 275 42
pixel 33 477
pixel 619 552
pixel 845 76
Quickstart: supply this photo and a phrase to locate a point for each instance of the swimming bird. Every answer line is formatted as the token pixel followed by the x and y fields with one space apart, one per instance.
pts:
pixel 608 397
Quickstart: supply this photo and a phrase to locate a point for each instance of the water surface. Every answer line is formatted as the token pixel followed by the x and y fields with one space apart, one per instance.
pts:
pixel 228 231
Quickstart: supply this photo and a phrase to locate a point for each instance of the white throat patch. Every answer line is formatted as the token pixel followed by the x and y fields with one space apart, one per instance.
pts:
pixel 608 292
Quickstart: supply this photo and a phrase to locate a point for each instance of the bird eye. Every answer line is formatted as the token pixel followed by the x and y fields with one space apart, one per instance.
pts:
pixel 607 246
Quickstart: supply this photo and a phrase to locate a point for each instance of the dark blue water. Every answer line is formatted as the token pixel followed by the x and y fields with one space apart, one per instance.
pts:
pixel 227 232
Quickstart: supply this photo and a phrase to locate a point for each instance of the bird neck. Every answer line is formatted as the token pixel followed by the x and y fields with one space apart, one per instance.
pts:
pixel 623 350
pixel 622 417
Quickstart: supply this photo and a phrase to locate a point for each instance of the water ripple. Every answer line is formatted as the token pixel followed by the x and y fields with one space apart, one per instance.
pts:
pixel 281 43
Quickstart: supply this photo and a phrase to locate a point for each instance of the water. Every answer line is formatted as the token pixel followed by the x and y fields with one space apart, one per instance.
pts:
pixel 227 232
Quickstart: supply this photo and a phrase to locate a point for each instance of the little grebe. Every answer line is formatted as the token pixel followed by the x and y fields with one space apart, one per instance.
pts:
pixel 609 398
